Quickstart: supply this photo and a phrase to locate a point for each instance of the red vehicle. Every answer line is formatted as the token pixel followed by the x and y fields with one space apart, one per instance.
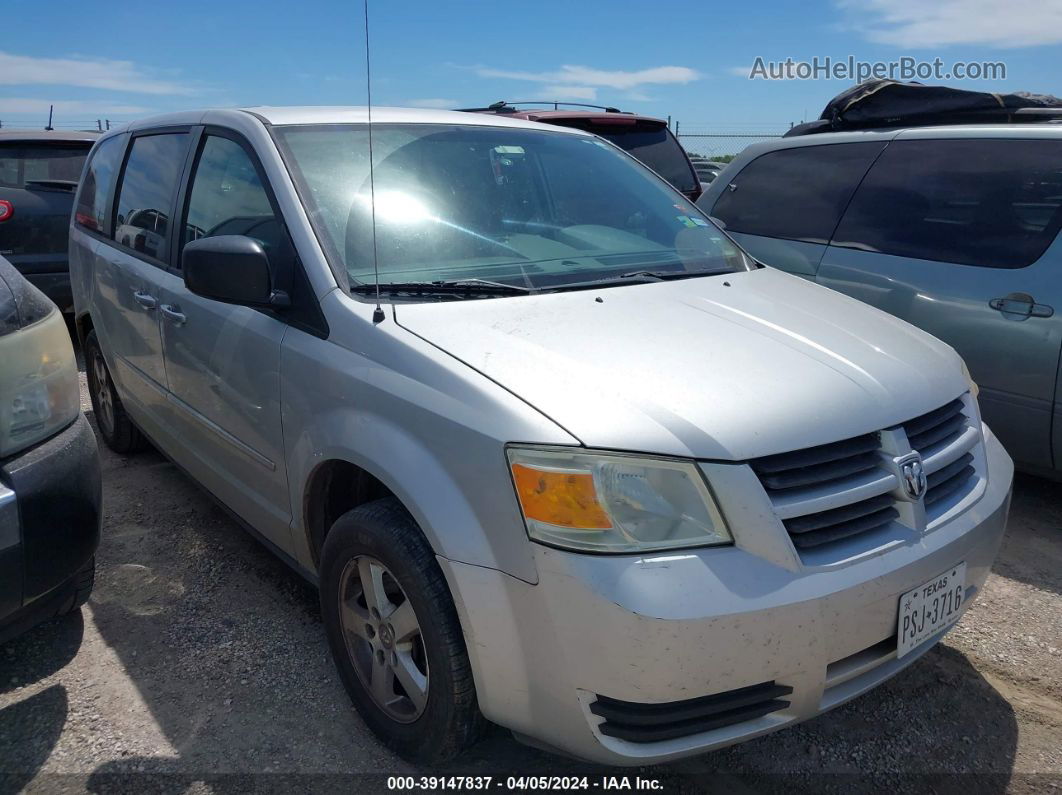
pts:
pixel 644 137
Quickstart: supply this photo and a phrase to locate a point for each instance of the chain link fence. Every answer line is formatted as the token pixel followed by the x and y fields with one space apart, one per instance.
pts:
pixel 720 144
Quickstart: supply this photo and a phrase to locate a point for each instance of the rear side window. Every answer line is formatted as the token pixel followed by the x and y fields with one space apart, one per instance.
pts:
pixel 92 199
pixel 57 164
pixel 228 198
pixel 795 194
pixel 988 203
pixel 657 148
pixel 146 192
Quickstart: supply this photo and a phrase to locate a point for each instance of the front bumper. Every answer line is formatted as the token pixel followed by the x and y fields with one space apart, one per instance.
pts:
pixel 685 625
pixel 50 514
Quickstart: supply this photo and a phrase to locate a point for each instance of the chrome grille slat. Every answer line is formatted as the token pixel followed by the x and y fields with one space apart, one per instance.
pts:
pixel 826 535
pixel 849 513
pixel 935 426
pixel 816 465
pixel 842 490
pixel 945 430
pixel 956 478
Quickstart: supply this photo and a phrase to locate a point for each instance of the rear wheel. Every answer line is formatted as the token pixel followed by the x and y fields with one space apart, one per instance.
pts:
pixel 117 429
pixel 395 634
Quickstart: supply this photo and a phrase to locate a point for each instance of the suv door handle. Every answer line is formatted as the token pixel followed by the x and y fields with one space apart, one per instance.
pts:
pixel 1020 305
pixel 146 300
pixel 173 314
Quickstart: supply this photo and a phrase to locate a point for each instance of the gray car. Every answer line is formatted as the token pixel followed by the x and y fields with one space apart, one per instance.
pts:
pixel 954 229
pixel 556 452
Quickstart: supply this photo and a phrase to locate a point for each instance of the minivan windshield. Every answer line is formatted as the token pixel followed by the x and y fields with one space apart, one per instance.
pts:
pixel 527 208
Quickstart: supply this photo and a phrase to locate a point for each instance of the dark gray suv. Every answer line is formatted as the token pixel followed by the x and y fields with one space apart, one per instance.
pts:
pixel 39 172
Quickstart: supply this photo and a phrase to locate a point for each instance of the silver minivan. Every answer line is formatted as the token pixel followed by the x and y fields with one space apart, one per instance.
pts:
pixel 556 452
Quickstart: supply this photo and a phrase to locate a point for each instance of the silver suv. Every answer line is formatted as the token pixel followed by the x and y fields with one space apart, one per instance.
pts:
pixel 557 454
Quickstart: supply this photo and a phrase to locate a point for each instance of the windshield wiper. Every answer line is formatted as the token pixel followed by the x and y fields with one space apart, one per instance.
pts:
pixel 447 287
pixel 668 275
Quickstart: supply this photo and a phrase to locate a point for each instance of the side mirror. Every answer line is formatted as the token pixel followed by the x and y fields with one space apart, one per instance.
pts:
pixel 233 269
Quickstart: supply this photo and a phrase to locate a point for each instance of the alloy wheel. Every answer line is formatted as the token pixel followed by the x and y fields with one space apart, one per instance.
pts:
pixel 383 638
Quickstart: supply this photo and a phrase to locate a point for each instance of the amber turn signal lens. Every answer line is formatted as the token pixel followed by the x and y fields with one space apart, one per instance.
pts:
pixel 566 499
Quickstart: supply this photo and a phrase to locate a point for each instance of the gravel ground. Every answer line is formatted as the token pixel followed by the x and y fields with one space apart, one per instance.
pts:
pixel 200 664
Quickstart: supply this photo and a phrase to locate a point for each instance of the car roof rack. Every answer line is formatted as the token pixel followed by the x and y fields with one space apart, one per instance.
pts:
pixel 888 104
pixel 510 107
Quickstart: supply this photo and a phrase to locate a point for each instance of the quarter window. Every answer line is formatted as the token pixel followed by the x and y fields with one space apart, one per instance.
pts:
pixel 989 203
pixel 92 198
pixel 146 193
pixel 228 198
pixel 795 194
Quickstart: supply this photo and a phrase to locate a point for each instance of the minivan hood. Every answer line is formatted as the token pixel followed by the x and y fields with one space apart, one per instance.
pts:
pixel 724 367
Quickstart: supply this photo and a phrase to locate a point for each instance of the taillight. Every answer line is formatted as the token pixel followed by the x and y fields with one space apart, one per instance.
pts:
pixel 6 210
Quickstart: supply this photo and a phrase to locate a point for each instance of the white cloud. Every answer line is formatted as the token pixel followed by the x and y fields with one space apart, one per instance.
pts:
pixel 920 24
pixel 433 102
pixel 66 107
pixel 24 70
pixel 585 76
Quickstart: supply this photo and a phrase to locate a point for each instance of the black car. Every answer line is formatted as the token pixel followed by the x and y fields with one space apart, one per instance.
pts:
pixel 50 491
pixel 39 172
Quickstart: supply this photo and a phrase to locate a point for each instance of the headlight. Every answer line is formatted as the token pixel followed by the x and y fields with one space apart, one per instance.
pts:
pixel 974 389
pixel 38 384
pixel 608 502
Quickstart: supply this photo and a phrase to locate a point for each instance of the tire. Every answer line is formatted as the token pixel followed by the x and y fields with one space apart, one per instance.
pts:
pixel 81 588
pixel 427 729
pixel 115 427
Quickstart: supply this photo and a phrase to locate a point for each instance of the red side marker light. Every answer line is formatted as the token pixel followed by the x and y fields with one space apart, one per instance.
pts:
pixel 6 210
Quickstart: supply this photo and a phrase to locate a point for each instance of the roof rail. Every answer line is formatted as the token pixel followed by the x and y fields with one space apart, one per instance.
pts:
pixel 510 107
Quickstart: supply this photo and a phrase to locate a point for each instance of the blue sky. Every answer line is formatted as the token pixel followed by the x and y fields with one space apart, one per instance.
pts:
pixel 684 59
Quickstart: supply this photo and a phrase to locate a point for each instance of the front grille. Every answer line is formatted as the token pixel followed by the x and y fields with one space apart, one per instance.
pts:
pixel 950 479
pixel 830 494
pixel 818 465
pixel 649 723
pixel 815 529
pixel 937 427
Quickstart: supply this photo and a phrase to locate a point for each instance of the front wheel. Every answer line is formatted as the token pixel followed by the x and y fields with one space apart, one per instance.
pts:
pixel 395 634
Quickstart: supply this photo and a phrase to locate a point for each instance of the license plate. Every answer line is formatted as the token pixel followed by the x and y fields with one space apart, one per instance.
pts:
pixel 930 608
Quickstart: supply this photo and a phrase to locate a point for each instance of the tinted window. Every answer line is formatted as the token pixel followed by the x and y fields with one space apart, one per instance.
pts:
pixel 92 200
pixel 795 194
pixel 22 163
pixel 991 203
pixel 227 198
pixel 146 192
pixel 657 148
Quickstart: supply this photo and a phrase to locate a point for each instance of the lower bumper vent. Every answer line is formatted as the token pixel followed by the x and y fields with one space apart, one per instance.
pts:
pixel 650 723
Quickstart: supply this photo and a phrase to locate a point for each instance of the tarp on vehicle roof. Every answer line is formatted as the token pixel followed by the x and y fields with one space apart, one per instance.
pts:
pixel 890 103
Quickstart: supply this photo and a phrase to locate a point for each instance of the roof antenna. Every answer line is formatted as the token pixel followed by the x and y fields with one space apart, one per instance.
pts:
pixel 378 313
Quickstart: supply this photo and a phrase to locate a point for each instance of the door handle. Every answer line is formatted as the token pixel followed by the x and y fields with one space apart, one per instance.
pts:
pixel 173 314
pixel 1019 306
pixel 146 300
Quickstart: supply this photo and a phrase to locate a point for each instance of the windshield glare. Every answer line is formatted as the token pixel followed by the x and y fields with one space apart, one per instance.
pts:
pixel 522 207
